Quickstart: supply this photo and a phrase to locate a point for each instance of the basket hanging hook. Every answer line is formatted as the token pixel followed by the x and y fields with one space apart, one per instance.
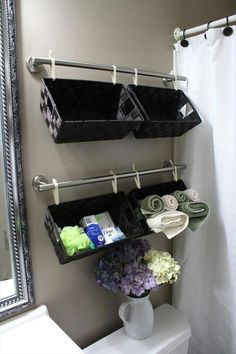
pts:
pixel 135 77
pixel 113 75
pixel 175 172
pixel 137 178
pixel 56 191
pixel 53 65
pixel 114 182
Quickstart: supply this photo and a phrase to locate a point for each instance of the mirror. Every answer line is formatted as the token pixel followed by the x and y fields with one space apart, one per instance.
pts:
pixel 16 290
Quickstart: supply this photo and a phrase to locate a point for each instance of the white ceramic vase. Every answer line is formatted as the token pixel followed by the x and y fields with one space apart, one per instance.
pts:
pixel 137 316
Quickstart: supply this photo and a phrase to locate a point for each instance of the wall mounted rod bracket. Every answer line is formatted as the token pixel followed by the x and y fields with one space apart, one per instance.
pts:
pixel 41 183
pixel 177 34
pixel 34 66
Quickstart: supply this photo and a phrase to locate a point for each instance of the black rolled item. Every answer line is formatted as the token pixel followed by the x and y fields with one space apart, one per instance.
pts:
pixel 136 195
pixel 70 213
pixel 166 112
pixel 80 110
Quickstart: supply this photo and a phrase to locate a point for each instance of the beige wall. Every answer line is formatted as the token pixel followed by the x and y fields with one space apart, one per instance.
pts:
pixel 134 33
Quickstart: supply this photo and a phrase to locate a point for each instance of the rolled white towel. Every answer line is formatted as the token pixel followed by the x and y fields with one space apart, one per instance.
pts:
pixel 171 223
pixel 192 195
pixel 170 202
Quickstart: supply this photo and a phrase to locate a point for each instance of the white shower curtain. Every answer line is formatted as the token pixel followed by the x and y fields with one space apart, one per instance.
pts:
pixel 206 290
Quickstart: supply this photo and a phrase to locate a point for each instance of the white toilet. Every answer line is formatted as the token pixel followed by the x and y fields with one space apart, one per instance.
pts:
pixel 170 335
pixel 35 332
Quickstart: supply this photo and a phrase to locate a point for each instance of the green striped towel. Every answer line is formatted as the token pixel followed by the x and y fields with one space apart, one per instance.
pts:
pixel 197 212
pixel 180 196
pixel 152 205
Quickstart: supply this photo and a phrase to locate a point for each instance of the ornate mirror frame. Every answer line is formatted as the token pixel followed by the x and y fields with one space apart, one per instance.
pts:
pixel 10 141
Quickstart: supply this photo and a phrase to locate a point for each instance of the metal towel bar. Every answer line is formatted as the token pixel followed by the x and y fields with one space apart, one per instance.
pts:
pixel 34 65
pixel 41 183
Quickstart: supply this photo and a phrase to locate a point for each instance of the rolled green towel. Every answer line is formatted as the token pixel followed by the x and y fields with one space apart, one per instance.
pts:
pixel 197 212
pixel 180 196
pixel 75 240
pixel 152 205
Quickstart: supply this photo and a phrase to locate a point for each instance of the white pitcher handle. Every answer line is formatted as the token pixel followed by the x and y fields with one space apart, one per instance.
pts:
pixel 123 311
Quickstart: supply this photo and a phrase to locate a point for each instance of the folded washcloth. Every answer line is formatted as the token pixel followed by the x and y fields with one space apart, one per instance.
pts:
pixel 180 196
pixel 192 195
pixel 198 213
pixel 152 205
pixel 171 223
pixel 170 202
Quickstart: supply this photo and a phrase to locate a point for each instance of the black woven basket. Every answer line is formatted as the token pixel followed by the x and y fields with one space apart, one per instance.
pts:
pixel 167 112
pixel 159 189
pixel 78 110
pixel 70 213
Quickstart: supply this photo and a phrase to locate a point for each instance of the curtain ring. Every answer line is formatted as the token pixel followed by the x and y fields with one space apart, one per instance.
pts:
pixel 208 26
pixel 184 41
pixel 227 31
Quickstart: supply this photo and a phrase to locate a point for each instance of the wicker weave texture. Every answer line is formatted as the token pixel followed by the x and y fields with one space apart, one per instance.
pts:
pixel 162 109
pixel 79 110
pixel 70 213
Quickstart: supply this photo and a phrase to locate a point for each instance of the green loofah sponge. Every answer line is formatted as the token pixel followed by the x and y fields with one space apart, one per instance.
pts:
pixel 75 240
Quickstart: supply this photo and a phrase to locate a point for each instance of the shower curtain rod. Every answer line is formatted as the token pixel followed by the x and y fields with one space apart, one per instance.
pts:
pixel 41 183
pixel 179 34
pixel 34 65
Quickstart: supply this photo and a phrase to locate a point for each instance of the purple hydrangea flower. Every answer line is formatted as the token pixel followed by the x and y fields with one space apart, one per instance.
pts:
pixel 125 269
pixel 137 279
pixel 107 272
pixel 133 250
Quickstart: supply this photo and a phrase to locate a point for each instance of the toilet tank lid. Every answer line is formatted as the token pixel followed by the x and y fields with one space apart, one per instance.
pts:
pixel 171 330
pixel 35 332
